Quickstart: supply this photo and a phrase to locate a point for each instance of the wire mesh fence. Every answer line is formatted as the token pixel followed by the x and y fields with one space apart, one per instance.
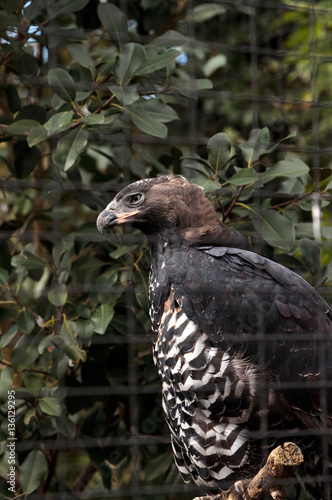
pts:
pixel 95 95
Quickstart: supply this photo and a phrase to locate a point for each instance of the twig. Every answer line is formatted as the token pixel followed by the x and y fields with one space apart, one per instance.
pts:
pixel 174 19
pixel 84 477
pixel 279 205
pixel 233 203
pixel 33 370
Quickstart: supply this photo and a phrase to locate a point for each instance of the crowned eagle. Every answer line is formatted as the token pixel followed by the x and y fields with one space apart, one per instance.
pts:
pixel 241 343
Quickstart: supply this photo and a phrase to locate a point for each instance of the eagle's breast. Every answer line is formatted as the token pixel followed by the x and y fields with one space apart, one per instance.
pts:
pixel 208 395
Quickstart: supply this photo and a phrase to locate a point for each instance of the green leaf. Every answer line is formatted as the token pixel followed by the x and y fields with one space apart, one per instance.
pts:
pixel 66 427
pixel 62 84
pixel 290 167
pixel 81 95
pixel 158 466
pixel 45 343
pixel 106 65
pixel 202 84
pixel 171 38
pixel 206 11
pixel 47 427
pixel 33 383
pixel 29 415
pixel 33 471
pixel 150 115
pixel 57 253
pixel 154 63
pixel 24 353
pixel 276 229
pixel 4 276
pixel 158 109
pixel 214 63
pixel 37 135
pixel 6 378
pixel 310 252
pixel 28 261
pixel 97 119
pixel 126 95
pixel 26 321
pixel 257 144
pixel 34 9
pixel 10 6
pixel 197 164
pixel 127 62
pixel 244 177
pixel 59 122
pixel 70 344
pixel 121 250
pixel 6 338
pixel 81 54
pixel 102 317
pixel 188 88
pixel 57 102
pixel 84 328
pixel 114 21
pixel 58 295
pixel 50 406
pixel 147 122
pixel 143 300
pixel 23 127
pixel 308 205
pixel 67 7
pixel 207 184
pixel 219 150
pixel 275 146
pixel 73 144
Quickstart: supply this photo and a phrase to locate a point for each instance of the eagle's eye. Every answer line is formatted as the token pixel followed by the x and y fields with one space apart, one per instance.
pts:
pixel 135 199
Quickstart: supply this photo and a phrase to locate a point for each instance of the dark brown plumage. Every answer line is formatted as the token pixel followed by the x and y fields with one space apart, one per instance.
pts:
pixel 242 344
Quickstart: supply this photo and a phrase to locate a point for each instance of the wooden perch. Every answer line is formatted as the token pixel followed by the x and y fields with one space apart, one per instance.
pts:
pixel 281 464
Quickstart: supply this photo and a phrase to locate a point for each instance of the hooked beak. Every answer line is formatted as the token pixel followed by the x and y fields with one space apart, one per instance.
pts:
pixel 109 218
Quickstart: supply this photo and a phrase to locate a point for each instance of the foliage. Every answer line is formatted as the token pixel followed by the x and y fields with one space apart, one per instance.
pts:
pixel 91 98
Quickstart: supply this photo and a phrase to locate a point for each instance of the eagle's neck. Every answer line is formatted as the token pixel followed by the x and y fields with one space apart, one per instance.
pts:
pixel 181 236
pixel 217 235
pixel 168 262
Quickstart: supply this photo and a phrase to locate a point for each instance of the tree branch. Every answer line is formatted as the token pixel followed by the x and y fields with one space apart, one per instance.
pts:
pixel 233 203
pixel 274 207
pixel 280 465
pixel 84 477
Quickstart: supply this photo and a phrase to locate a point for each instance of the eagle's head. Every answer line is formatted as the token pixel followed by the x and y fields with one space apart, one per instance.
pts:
pixel 169 204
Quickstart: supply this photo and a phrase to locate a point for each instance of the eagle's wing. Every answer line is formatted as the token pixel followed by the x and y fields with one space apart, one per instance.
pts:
pixel 250 304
